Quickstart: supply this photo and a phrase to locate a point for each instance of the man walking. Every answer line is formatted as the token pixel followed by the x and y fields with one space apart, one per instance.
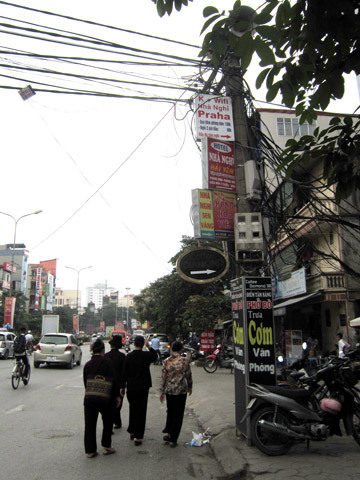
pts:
pixel 155 344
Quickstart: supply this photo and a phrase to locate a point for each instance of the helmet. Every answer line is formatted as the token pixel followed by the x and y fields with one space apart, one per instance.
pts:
pixel 330 405
pixel 29 331
pixel 155 335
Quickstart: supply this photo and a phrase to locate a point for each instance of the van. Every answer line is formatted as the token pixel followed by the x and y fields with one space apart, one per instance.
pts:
pixel 115 333
pixel 139 332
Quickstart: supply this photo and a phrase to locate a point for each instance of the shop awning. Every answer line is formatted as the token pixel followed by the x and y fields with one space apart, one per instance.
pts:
pixel 355 322
pixel 291 301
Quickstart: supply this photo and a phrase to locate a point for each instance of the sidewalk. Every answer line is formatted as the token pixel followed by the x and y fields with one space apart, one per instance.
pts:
pixel 213 402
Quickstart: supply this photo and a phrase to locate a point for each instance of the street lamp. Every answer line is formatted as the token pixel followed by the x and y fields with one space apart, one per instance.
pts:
pixel 14 242
pixel 78 270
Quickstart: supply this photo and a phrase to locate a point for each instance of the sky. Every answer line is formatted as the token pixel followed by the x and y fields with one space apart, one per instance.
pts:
pixel 112 176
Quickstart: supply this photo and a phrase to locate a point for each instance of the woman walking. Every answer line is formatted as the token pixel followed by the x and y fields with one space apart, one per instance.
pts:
pixel 117 359
pixel 175 384
pixel 99 398
pixel 137 380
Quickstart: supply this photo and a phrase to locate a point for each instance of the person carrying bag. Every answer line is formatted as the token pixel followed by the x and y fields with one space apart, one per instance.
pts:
pixel 101 389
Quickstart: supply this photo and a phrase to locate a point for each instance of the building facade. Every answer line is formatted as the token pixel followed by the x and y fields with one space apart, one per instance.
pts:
pixel 313 243
pixel 96 294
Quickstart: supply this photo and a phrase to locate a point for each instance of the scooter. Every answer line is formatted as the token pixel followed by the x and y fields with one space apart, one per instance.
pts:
pixel 281 417
pixel 222 357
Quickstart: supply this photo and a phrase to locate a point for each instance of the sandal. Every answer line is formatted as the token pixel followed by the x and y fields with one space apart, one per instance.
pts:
pixel 92 455
pixel 109 450
pixel 137 442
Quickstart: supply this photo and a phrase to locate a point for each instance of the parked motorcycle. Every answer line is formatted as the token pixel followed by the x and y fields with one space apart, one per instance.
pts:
pixel 194 353
pixel 281 417
pixel 222 357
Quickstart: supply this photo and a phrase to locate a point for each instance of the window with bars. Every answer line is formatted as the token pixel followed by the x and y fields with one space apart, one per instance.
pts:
pixel 290 127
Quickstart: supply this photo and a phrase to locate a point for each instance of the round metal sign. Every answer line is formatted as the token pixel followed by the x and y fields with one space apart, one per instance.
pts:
pixel 202 264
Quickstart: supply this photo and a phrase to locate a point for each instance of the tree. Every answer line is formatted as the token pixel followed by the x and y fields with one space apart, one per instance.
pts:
pixel 65 318
pixel 305 49
pixel 21 316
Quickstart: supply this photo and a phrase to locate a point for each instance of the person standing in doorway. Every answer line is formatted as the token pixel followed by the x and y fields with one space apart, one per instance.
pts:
pixel 342 345
pixel 136 378
pixel 117 358
pixel 175 384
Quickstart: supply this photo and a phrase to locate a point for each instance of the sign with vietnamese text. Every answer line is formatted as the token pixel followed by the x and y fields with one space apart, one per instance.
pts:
pixel 218 159
pixel 254 339
pixel 9 310
pixel 214 117
pixel 207 341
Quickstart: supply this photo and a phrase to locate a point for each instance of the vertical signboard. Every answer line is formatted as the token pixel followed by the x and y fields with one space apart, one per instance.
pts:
pixel 203 213
pixel 214 117
pixel 254 337
pixel 218 160
pixel 224 208
pixel 9 310
pixel 207 341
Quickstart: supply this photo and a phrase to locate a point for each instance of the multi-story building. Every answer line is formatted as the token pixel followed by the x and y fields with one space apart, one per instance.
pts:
pixel 14 262
pixel 67 297
pixel 313 242
pixel 41 285
pixel 96 294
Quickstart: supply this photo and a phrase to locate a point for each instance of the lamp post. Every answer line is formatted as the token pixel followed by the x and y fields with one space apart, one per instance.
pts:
pixel 78 270
pixel 127 307
pixel 16 221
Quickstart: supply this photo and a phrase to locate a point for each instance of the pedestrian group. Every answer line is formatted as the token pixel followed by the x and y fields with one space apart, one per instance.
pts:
pixel 107 377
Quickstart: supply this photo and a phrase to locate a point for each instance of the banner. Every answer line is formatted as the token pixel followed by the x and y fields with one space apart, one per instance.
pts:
pixel 9 310
pixel 76 324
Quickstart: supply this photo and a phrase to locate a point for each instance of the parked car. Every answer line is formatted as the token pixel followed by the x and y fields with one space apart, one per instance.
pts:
pixel 6 344
pixel 164 343
pixel 58 349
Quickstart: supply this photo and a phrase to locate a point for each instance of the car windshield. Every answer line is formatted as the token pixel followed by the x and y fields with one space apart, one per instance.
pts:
pixel 162 338
pixel 55 339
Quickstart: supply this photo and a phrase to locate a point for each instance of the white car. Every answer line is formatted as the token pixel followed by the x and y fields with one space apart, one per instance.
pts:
pixel 6 344
pixel 58 349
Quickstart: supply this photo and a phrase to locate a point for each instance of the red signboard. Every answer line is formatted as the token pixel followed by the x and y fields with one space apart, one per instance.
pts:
pixel 9 267
pixel 9 310
pixel 218 165
pixel 224 208
pixel 207 341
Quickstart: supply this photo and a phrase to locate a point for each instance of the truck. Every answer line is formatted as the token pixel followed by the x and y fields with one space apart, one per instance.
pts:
pixel 50 324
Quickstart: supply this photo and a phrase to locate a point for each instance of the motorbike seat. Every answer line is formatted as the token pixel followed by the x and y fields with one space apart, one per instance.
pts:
pixel 290 392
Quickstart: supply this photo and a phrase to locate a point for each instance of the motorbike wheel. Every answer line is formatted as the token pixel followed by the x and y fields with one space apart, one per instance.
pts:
pixel 210 365
pixel 267 441
pixel 355 420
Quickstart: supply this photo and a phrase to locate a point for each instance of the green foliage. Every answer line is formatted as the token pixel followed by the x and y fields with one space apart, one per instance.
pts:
pixel 203 312
pixel 337 146
pixel 166 6
pixel 65 318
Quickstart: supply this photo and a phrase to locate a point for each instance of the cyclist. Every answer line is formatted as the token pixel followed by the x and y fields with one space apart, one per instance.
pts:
pixel 29 341
pixel 20 352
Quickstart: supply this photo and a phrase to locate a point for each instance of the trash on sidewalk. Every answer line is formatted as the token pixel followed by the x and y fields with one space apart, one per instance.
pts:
pixel 199 439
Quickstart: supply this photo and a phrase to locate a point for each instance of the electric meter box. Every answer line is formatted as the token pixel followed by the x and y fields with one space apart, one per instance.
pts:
pixel 249 242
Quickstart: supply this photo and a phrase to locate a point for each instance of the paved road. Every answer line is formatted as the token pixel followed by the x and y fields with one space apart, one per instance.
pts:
pixel 42 435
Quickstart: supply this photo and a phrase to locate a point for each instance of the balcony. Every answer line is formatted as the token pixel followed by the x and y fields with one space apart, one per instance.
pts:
pixel 327 282
pixel 303 221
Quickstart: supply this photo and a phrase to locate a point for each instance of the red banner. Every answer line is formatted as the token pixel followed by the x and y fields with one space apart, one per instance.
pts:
pixel 76 324
pixel 9 310
pixel 207 341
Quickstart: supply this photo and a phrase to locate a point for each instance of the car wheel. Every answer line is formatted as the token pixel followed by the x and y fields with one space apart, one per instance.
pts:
pixel 36 364
pixel 71 364
pixel 79 361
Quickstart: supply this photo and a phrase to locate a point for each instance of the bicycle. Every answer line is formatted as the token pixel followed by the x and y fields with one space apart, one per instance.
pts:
pixel 18 373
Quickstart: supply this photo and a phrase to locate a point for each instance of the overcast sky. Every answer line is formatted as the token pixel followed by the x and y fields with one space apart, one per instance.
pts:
pixel 112 176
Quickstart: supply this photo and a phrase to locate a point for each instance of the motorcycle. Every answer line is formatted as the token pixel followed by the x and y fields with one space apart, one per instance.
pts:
pixel 281 416
pixel 222 357
pixel 193 353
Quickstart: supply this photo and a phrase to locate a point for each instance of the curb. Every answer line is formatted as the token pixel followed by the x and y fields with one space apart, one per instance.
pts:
pixel 228 455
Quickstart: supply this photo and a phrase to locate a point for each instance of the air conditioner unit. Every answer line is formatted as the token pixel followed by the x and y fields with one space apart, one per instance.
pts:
pixel 249 243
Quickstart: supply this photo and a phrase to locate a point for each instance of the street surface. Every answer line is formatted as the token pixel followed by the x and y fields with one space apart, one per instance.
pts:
pixel 42 434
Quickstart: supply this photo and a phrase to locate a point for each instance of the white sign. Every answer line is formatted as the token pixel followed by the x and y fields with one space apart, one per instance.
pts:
pixel 214 117
pixel 295 285
pixel 133 323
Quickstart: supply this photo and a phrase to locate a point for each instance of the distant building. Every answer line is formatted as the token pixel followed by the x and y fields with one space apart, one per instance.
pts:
pixel 13 266
pixel 96 294
pixel 41 284
pixel 67 297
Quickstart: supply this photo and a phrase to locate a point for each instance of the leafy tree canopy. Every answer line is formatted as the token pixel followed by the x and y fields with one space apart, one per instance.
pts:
pixel 305 49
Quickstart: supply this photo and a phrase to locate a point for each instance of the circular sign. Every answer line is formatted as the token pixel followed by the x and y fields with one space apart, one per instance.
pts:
pixel 202 264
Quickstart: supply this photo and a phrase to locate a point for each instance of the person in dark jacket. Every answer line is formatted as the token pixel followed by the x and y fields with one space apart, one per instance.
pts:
pixel 137 380
pixel 99 365
pixel 118 361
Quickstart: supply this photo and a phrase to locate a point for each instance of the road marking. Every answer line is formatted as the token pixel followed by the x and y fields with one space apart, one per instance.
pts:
pixel 59 386
pixel 20 408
